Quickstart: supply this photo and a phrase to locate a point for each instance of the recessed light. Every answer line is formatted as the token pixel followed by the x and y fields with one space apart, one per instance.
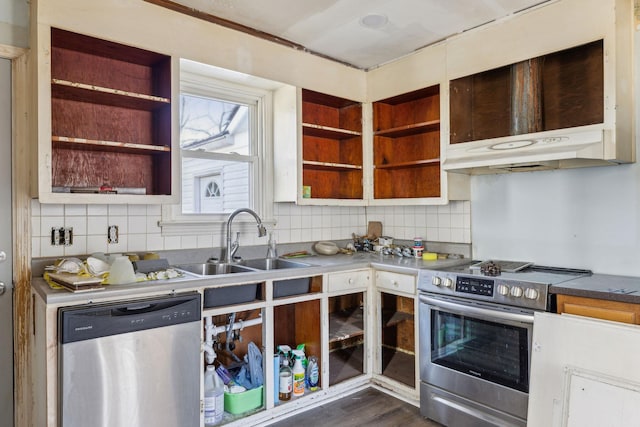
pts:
pixel 374 21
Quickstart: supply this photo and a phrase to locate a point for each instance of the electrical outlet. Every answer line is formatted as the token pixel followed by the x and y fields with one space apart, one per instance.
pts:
pixel 61 236
pixel 112 234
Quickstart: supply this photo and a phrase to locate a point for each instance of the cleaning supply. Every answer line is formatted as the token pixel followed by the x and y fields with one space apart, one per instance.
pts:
pixel 286 380
pixel 298 375
pixel 213 397
pixel 313 373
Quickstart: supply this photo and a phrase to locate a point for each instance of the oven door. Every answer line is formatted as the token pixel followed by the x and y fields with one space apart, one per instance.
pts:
pixel 476 356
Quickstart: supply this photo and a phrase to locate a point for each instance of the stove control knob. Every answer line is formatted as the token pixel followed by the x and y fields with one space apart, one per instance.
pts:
pixel 530 293
pixel 516 291
pixel 503 289
pixel 448 282
pixel 436 281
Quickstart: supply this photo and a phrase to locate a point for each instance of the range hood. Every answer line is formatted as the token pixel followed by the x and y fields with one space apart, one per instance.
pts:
pixel 563 148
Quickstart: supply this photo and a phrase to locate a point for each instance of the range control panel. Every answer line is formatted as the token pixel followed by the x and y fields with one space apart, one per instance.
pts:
pixel 498 290
pixel 473 285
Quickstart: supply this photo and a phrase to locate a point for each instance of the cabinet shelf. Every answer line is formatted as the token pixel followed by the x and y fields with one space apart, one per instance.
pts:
pixel 404 165
pixel 309 129
pixel 393 318
pixel 114 146
pixel 82 92
pixel 330 166
pixel 344 325
pixel 411 129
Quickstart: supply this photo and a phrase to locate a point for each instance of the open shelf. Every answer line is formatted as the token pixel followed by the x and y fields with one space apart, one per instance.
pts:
pixel 411 129
pixel 346 336
pixel 110 116
pixel 332 157
pixel 406 145
pixel 82 92
pixel 92 144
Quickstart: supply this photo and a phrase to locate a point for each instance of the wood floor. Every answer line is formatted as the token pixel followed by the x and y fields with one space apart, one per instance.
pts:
pixel 369 407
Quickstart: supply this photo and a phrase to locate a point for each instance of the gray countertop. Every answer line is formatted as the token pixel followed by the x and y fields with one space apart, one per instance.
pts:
pixel 602 286
pixel 318 264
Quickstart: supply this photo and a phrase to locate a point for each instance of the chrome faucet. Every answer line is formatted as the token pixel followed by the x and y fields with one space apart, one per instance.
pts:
pixel 232 248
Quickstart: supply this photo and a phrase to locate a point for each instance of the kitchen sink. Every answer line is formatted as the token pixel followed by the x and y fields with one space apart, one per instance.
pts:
pixel 212 269
pixel 272 263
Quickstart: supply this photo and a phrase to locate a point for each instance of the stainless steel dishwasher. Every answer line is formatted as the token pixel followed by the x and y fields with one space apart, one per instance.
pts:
pixel 131 363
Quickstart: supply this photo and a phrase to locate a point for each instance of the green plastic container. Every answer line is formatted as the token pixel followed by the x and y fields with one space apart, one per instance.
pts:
pixel 238 403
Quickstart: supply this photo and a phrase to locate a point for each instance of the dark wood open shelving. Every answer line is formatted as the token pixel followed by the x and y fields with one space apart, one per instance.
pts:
pixel 403 165
pixel 556 91
pixel 110 115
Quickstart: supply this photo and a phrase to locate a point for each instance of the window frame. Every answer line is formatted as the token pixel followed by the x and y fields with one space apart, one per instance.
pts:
pixel 204 80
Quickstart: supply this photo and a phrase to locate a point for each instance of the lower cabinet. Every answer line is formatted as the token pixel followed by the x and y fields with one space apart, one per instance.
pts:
pixel 598 308
pixel 397 353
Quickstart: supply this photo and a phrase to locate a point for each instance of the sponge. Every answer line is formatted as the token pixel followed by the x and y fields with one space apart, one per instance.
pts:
pixel 429 256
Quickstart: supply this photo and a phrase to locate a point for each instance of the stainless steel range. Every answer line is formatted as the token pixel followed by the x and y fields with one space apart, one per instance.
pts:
pixel 476 324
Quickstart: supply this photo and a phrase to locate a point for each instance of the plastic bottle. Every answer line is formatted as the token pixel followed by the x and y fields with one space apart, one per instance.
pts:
pixel 213 397
pixel 298 377
pixel 286 380
pixel 313 373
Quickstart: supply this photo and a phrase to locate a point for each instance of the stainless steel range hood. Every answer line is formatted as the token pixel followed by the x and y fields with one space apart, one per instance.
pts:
pixel 564 148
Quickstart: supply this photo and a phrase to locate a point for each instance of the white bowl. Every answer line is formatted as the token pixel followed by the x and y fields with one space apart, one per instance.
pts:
pixel 326 248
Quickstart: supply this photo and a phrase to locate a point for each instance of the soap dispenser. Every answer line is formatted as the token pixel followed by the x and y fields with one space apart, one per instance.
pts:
pixel 272 252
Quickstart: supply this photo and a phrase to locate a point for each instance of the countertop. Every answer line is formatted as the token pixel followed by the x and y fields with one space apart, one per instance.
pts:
pixel 602 286
pixel 318 264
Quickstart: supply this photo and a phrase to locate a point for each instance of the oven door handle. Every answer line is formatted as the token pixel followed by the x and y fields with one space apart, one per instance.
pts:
pixel 496 314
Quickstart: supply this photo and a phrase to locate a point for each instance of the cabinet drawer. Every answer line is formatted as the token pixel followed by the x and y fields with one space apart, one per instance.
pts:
pixel 348 280
pixel 396 282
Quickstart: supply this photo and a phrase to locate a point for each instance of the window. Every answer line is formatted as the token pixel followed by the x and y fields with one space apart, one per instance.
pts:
pixel 225 148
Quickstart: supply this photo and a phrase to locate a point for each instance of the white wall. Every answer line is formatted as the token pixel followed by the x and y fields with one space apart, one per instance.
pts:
pixel 573 218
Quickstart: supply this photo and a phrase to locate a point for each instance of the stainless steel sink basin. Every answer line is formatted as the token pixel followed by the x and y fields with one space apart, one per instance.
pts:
pixel 272 264
pixel 212 269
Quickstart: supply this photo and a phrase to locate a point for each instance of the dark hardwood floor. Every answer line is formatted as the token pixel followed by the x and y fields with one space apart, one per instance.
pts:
pixel 369 407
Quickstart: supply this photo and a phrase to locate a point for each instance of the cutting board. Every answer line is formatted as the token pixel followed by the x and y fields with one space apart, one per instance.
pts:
pixel 374 230
pixel 75 281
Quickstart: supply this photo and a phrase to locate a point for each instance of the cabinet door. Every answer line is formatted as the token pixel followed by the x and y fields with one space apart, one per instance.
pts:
pixel 110 137
pixel 600 309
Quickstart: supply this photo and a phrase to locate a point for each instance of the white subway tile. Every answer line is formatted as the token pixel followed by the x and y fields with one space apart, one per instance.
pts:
pixel 35 207
pixel 35 247
pixel 120 221
pixel 97 243
pixel 137 210
pixel 75 210
pixel 136 242
pixel 79 246
pixel 48 250
pixel 117 210
pixel 97 226
pixel 51 209
pixel 137 224
pixel 97 210
pixel 79 224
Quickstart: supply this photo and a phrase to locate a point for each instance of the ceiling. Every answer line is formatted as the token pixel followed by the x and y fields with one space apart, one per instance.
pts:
pixel 337 29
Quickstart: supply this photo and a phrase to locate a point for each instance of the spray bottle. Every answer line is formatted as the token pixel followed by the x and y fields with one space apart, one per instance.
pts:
pixel 298 375
pixel 313 373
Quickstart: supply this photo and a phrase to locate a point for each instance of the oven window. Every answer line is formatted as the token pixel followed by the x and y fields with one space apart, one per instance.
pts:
pixel 492 351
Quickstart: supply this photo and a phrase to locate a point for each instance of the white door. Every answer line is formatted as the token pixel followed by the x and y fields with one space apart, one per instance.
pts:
pixel 6 286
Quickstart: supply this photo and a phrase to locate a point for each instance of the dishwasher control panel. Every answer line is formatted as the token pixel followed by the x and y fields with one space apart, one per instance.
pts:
pixel 92 321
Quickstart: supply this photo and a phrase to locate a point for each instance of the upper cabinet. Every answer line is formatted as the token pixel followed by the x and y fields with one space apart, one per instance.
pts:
pixel 319 148
pixel 331 147
pixel 560 99
pixel 406 145
pixel 349 153
pixel 105 122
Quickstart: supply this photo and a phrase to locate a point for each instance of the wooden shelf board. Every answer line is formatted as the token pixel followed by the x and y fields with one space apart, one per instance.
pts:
pixel 96 94
pixel 328 132
pixel 330 166
pixel 415 164
pixel 343 327
pixel 394 318
pixel 92 144
pixel 412 129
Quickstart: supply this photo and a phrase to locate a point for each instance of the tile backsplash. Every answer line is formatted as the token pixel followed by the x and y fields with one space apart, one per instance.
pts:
pixel 138 229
